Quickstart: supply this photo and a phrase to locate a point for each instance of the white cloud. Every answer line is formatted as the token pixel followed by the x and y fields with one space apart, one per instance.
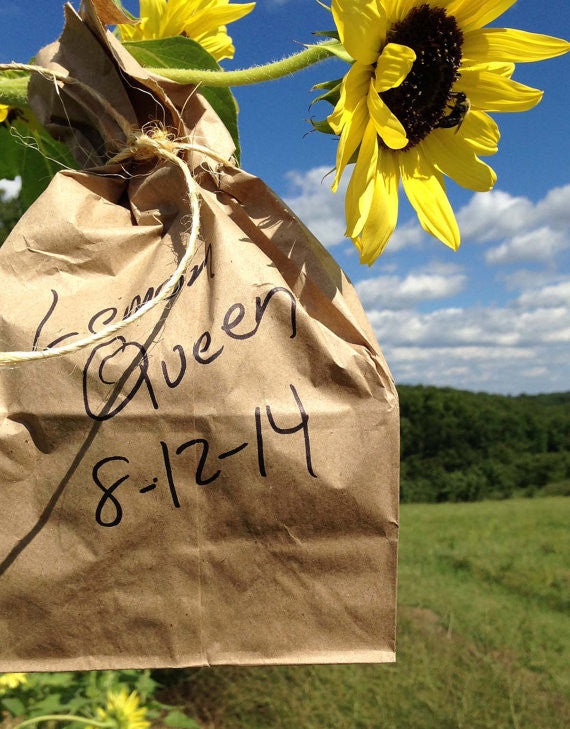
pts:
pixel 527 230
pixel 520 346
pixel 497 214
pixel 492 215
pixel 489 326
pixel 393 292
pixel 524 230
pixel 554 295
pixel 525 279
pixel 317 206
pixel 490 368
pixel 10 188
pixel 408 235
pixel 322 211
pixel 541 244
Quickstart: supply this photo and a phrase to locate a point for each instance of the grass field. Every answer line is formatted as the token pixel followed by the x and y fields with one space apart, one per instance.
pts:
pixel 484 636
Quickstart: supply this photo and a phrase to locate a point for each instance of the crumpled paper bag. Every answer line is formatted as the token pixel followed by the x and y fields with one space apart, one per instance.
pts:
pixel 218 482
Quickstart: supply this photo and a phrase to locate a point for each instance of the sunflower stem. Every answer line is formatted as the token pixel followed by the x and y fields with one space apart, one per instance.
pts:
pixel 247 76
pixel 14 91
pixel 66 717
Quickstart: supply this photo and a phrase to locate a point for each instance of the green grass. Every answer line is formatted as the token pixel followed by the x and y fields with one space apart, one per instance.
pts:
pixel 483 638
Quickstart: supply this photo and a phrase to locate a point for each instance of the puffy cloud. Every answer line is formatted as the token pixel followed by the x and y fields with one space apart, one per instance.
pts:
pixel 320 209
pixel 493 215
pixel 524 230
pixel 520 346
pixel 528 231
pixel 393 292
pixel 408 235
pixel 490 326
pixel 497 214
pixel 490 368
pixel 554 295
pixel 518 341
pixel 524 279
pixel 541 244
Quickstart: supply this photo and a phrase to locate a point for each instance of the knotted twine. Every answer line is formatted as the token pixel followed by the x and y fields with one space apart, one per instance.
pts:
pixel 141 146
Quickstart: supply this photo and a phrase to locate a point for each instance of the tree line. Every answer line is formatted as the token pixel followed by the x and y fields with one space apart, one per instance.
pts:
pixel 466 446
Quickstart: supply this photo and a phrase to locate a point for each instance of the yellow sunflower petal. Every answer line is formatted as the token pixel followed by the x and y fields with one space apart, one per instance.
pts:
pixel 450 155
pixel 350 138
pixel 362 27
pixel 185 16
pixel 219 44
pixel 506 44
pixel 501 68
pixel 491 92
pixel 472 14
pixel 3 112
pixel 384 209
pixel 361 186
pixel 425 189
pixel 387 125
pixel 480 132
pixel 393 66
pixel 353 89
pixel 152 11
pixel 399 9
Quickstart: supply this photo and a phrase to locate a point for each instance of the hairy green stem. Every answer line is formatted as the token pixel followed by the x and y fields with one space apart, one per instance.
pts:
pixel 66 717
pixel 247 76
pixel 14 91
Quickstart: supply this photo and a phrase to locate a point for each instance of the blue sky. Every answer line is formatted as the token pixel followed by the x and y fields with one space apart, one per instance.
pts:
pixel 495 315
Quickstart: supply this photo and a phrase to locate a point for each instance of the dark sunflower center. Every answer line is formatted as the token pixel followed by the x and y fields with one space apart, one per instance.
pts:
pixel 425 97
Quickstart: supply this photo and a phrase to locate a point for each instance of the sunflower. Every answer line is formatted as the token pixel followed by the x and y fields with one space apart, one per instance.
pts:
pixel 202 20
pixel 3 116
pixel 10 680
pixel 413 106
pixel 123 709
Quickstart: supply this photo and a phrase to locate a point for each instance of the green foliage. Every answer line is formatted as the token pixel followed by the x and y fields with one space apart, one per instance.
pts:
pixel 465 446
pixel 10 211
pixel 333 46
pixel 81 693
pixel 332 92
pixel 180 52
pixel 26 149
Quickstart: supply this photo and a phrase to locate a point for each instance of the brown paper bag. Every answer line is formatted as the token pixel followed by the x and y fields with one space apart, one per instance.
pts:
pixel 217 483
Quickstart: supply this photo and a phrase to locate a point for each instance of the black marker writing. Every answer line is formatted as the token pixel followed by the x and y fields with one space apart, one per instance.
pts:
pixel 200 480
pixel 108 492
pixel 90 369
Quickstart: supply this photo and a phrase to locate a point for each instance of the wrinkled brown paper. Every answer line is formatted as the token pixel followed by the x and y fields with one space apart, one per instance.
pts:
pixel 218 483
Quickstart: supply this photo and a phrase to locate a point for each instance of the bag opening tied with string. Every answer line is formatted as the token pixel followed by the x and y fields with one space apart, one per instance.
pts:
pixel 199 434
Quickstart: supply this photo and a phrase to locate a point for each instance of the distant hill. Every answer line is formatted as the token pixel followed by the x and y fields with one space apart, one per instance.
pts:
pixel 466 446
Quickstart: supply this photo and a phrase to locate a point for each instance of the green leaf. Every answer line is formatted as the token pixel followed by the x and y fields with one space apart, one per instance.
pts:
pixel 13 705
pixel 145 685
pixel 336 48
pixel 179 720
pixel 41 157
pixel 328 34
pixel 332 94
pixel 49 705
pixel 180 52
pixel 10 153
pixel 321 126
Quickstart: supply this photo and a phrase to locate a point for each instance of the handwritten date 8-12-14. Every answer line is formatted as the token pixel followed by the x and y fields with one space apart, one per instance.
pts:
pixel 109 511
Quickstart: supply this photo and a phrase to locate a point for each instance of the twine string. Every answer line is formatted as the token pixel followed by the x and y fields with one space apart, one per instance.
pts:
pixel 141 146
